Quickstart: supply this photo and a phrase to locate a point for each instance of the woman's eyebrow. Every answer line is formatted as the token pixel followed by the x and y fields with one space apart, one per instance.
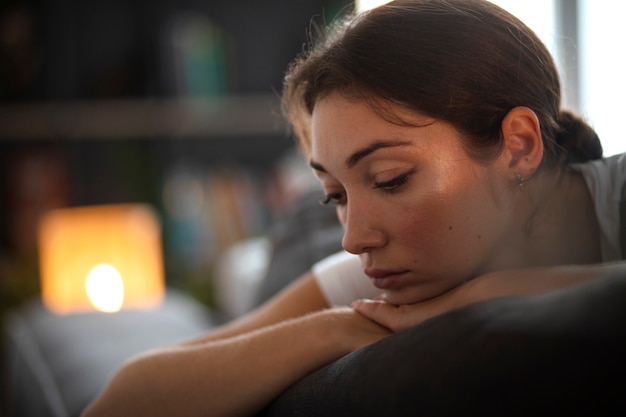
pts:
pixel 362 153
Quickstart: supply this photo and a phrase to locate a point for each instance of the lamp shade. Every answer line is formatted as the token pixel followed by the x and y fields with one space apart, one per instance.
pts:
pixel 103 258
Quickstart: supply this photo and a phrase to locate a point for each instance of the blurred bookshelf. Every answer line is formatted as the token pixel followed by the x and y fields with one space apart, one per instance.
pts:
pixel 206 164
pixel 189 118
pixel 166 102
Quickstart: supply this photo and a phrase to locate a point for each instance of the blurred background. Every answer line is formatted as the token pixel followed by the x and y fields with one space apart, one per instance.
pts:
pixel 175 104
pixel 164 102
pixel 172 106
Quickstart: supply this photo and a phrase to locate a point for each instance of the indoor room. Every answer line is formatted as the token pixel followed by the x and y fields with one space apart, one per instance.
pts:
pixel 152 190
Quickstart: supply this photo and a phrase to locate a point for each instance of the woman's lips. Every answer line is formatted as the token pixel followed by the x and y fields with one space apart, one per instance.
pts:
pixel 384 280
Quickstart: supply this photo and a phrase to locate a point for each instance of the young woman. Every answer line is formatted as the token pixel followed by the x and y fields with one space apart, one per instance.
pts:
pixel 435 128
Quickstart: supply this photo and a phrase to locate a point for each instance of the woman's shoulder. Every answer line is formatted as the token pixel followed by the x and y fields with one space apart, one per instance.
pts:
pixel 605 175
pixel 613 164
pixel 341 279
pixel 606 181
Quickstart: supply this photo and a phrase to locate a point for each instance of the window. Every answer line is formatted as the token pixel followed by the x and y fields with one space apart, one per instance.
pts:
pixel 602 69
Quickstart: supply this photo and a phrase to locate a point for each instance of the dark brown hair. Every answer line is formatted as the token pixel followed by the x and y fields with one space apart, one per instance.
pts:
pixel 467 62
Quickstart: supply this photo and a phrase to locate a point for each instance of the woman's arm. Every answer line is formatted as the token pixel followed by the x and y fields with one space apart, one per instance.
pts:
pixel 241 367
pixel 302 296
pixel 489 286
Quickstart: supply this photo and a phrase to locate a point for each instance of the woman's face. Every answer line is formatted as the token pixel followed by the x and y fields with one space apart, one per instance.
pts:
pixel 421 214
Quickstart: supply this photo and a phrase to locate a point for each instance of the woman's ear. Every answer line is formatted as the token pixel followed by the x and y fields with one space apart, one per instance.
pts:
pixel 522 143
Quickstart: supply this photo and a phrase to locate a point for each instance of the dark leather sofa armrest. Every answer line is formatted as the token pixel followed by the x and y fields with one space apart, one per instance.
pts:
pixel 561 353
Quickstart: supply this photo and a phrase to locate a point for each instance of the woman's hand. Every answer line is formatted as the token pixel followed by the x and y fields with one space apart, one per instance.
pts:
pixel 401 317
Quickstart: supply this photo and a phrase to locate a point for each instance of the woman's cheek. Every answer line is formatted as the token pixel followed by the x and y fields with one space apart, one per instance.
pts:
pixel 434 234
pixel 417 229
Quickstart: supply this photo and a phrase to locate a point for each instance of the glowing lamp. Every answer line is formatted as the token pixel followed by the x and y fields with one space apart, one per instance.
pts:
pixel 103 258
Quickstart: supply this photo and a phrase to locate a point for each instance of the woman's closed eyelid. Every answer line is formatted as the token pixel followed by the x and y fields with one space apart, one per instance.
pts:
pixel 386 173
pixel 395 182
pixel 388 186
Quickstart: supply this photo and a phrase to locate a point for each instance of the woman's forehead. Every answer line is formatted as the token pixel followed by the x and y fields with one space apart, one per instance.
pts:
pixel 387 110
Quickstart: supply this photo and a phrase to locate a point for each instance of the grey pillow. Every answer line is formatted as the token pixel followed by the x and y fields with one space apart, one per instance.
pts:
pixel 56 364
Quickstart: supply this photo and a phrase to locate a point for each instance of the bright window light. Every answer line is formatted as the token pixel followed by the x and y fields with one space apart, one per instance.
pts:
pixel 602 69
pixel 362 5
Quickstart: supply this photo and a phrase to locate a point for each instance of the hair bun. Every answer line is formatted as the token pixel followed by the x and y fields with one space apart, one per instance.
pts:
pixel 579 141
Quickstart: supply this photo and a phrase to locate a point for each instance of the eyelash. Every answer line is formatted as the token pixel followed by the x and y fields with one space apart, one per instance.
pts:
pixel 393 185
pixel 388 187
pixel 334 198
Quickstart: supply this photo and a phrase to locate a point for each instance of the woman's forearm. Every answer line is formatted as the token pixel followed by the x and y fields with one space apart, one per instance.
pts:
pixel 235 376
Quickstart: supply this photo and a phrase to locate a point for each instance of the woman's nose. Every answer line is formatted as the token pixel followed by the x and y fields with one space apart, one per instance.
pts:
pixel 360 231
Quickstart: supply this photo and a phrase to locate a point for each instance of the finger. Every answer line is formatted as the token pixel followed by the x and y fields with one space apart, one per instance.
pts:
pixel 379 311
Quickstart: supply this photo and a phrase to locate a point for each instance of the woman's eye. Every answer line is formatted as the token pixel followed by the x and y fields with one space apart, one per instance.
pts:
pixel 335 198
pixel 394 184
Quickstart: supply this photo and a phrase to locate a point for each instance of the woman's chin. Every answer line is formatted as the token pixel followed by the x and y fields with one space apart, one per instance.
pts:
pixel 404 297
pixel 415 294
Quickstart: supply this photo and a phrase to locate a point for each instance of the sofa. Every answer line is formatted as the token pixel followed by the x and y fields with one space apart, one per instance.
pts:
pixel 557 354
pixel 55 365
pixel 560 353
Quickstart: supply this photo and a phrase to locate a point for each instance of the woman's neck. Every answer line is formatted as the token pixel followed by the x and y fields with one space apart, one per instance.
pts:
pixel 557 225
pixel 561 227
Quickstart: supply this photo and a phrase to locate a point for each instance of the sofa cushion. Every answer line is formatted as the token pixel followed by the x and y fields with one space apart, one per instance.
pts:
pixel 57 364
pixel 561 353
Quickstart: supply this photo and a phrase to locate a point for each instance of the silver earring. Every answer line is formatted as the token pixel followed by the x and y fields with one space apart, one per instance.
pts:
pixel 520 182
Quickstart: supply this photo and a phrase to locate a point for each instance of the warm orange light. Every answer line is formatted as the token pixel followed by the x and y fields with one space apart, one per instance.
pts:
pixel 105 288
pixel 101 258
